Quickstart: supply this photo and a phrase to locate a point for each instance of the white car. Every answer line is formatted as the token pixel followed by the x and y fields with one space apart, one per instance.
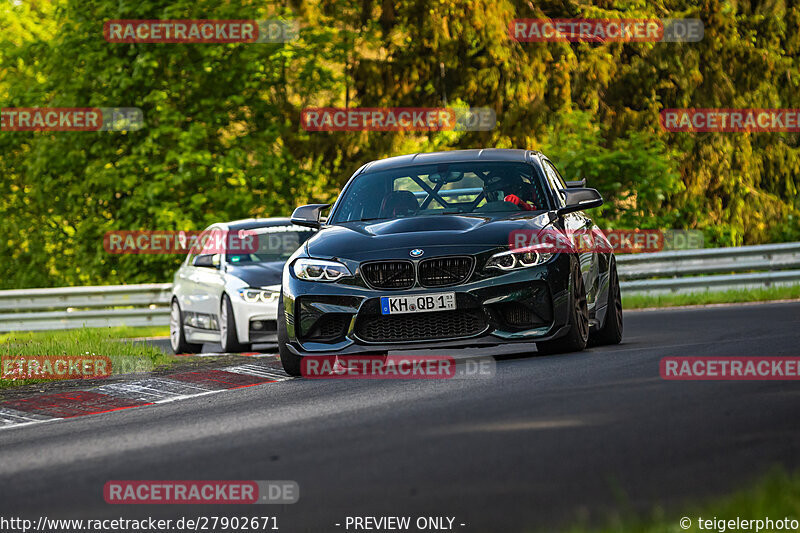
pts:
pixel 229 293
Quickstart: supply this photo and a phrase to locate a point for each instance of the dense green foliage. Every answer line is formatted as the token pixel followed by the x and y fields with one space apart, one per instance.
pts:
pixel 222 138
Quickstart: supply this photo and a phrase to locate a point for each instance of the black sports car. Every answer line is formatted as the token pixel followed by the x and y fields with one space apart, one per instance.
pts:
pixel 423 250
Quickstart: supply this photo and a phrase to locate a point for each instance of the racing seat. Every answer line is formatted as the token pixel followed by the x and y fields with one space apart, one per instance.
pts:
pixel 398 203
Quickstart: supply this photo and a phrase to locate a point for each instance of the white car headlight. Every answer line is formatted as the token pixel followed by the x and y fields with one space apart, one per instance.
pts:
pixel 254 295
pixel 319 270
pixel 522 258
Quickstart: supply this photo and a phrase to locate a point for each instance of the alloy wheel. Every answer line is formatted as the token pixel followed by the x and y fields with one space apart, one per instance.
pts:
pixel 223 323
pixel 581 308
pixel 175 326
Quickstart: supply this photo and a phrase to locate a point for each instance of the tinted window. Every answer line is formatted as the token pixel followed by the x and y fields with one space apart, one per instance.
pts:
pixel 440 190
pixel 269 244
pixel 555 180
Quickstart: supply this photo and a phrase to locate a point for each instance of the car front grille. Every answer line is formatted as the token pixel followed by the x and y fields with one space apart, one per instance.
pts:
pixel 433 272
pixel 326 328
pixel 332 326
pixel 421 326
pixel 443 271
pixel 389 274
pixel 517 314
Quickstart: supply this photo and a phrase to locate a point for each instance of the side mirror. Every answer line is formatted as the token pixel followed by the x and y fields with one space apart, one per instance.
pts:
pixel 206 261
pixel 580 199
pixel 309 215
pixel 580 184
pixel 215 260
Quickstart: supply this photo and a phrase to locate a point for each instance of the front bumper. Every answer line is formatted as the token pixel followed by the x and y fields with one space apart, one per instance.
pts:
pixel 249 316
pixel 526 305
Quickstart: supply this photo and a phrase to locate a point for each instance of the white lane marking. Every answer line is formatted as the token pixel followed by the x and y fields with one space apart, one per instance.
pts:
pixel 151 389
pixel 204 393
pixel 31 423
pixel 155 390
pixel 260 371
pixel 10 417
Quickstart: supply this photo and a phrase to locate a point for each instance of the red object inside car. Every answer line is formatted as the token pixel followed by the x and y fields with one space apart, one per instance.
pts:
pixel 516 200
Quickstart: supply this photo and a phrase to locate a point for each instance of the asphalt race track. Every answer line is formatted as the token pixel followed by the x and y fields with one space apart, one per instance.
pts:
pixel 546 442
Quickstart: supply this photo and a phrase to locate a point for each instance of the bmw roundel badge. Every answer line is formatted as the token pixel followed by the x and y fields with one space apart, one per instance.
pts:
pixel 416 252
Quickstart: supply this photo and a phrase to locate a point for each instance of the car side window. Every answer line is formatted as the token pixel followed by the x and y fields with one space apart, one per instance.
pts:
pixel 192 253
pixel 360 201
pixel 554 178
pixel 559 179
pixel 195 247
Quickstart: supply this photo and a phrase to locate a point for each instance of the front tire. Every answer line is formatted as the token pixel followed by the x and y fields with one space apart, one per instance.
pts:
pixel 578 335
pixel 612 329
pixel 177 336
pixel 228 337
pixel 291 362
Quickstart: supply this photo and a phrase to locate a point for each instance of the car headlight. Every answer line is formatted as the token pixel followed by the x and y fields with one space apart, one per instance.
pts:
pixel 523 258
pixel 319 270
pixel 252 295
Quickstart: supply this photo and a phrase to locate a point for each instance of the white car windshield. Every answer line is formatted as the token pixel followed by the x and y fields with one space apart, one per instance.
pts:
pixel 270 244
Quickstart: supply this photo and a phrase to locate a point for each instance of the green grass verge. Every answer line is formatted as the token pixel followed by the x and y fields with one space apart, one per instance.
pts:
pixel 776 496
pixel 119 332
pixel 125 355
pixel 639 301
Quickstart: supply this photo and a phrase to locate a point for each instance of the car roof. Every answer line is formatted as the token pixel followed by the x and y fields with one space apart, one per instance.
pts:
pixel 253 223
pixel 451 156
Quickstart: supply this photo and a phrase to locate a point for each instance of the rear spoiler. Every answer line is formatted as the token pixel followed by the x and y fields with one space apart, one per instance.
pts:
pixel 576 184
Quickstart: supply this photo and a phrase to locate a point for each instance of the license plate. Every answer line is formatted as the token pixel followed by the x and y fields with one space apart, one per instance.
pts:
pixel 418 303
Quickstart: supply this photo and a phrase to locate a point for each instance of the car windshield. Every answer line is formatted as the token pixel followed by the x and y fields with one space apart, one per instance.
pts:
pixel 270 244
pixel 441 189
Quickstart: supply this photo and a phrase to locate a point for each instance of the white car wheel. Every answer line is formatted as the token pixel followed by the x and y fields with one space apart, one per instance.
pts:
pixel 227 328
pixel 177 338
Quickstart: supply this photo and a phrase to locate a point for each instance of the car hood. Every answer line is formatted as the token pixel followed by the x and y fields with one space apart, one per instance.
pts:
pixel 435 235
pixel 257 274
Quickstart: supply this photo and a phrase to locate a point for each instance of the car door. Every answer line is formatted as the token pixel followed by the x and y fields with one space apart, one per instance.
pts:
pixel 208 278
pixel 183 284
pixel 579 227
